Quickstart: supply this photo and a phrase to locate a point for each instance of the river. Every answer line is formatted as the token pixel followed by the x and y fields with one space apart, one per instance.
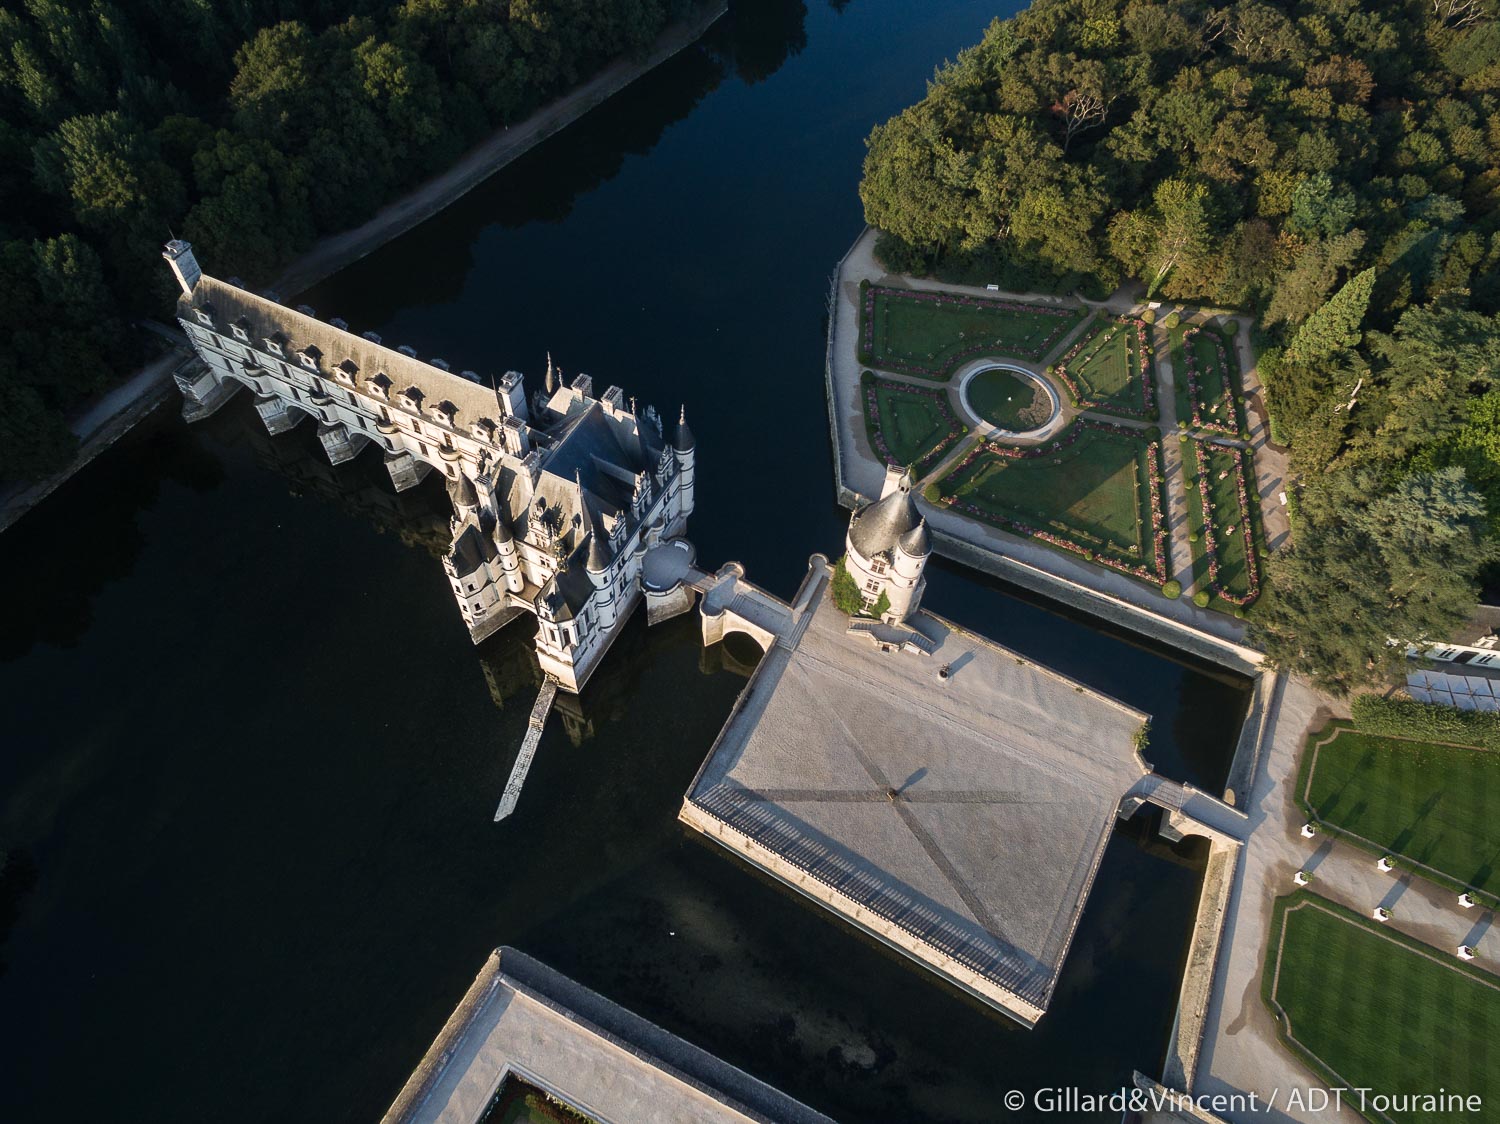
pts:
pixel 250 757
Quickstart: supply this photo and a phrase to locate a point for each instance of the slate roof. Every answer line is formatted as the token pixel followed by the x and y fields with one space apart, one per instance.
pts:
pixel 261 318
pixel 879 527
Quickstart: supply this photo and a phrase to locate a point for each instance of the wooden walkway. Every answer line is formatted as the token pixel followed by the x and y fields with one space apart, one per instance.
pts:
pixel 539 712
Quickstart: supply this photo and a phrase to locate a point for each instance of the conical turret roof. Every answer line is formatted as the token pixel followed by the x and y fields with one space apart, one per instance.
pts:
pixel 881 526
pixel 683 440
pixel 916 542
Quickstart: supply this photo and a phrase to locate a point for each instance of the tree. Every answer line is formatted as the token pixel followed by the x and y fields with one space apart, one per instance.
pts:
pixel 845 590
pixel 1174 229
pixel 1372 564
pixel 1334 328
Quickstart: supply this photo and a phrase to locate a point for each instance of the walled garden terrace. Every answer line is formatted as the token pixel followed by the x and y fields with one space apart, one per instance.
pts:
pixel 931 334
pixel 1095 491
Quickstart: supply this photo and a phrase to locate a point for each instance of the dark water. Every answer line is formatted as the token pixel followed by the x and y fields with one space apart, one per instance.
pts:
pixel 249 758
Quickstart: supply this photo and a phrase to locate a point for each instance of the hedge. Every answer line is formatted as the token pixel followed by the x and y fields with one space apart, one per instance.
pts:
pixel 1405 718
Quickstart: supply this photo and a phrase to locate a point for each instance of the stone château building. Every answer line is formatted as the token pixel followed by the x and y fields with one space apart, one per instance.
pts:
pixel 555 500
pixel 887 548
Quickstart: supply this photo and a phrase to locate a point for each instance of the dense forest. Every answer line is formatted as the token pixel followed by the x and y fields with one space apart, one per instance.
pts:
pixel 246 126
pixel 1330 166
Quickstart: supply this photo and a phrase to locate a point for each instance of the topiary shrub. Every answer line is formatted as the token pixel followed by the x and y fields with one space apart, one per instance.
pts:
pixel 932 494
pixel 1172 320
pixel 1231 328
pixel 1239 612
pixel 1171 589
pixel 1192 536
pixel 1201 599
pixel 1149 316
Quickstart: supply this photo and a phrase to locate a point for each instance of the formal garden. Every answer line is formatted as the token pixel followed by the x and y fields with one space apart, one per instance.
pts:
pixel 1224 525
pixel 1210 397
pixel 931 334
pixel 1371 1008
pixel 1429 800
pixel 908 425
pixel 1096 492
pixel 1110 369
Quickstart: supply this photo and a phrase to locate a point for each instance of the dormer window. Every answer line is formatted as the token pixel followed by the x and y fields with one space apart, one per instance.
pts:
pixel 310 355
pixel 380 386
pixel 446 411
pixel 276 345
pixel 440 364
pixel 241 330
pixel 346 371
pixel 205 314
pixel 483 430
pixel 877 565
pixel 411 399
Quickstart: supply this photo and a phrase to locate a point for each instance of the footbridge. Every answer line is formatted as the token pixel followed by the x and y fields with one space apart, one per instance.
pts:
pixel 732 604
pixel 1189 811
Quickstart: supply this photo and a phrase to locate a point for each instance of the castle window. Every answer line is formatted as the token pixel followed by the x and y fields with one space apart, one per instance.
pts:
pixel 310 356
pixel 877 565
pixel 205 315
pixel 240 334
pixel 273 345
pixel 873 586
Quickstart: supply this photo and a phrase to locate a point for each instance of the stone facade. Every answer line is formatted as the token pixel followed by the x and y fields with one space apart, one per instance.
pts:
pixel 555 500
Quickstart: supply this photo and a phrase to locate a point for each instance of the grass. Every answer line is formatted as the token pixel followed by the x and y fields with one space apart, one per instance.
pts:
pixel 911 425
pixel 1368 1007
pixel 932 334
pixel 1435 805
pixel 1093 491
pixel 1001 397
pixel 1106 370
pixel 1233 563
pixel 1214 378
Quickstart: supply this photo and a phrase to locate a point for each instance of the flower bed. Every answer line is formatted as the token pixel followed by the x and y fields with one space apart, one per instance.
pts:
pixel 1094 351
pixel 882 400
pixel 1005 328
pixel 1212 413
pixel 1217 537
pixel 1147 565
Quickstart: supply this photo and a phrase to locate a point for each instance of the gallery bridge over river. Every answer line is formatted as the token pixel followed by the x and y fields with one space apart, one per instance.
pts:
pixel 943 794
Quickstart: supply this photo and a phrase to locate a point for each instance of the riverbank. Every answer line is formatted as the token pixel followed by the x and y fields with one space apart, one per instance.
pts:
pixel 331 254
pixel 102 422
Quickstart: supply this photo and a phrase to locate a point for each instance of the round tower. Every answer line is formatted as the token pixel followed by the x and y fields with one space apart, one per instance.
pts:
pixel 887 548
pixel 683 450
pixel 600 559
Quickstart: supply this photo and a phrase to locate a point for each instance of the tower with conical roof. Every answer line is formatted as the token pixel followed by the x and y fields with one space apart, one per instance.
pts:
pixel 887 548
pixel 683 448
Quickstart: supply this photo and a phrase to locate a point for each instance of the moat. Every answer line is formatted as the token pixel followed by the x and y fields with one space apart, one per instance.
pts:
pixel 252 760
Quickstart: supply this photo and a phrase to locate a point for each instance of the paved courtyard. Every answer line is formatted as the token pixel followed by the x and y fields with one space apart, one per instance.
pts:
pixel 961 820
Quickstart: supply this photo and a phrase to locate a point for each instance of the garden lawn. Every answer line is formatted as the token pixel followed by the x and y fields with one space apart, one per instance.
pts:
pixel 1095 495
pixel 1375 1009
pixel 1436 804
pixel 911 425
pixel 1106 372
pixel 1217 376
pixel 1234 564
pixel 932 334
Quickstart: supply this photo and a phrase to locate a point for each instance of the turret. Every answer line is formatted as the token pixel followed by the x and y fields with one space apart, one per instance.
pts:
pixel 510 558
pixel 683 448
pixel 465 499
pixel 887 548
pixel 179 255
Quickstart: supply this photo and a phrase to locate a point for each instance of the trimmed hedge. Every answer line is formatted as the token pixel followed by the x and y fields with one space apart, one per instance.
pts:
pixel 1406 718
pixel 1172 589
